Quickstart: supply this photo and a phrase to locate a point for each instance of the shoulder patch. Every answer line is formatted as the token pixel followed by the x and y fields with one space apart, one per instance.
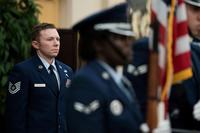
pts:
pixel 14 88
pixel 137 70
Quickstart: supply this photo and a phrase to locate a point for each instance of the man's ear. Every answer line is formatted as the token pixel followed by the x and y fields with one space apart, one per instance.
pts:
pixel 35 45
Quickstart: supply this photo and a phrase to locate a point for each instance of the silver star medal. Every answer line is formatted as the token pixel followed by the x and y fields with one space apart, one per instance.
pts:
pixel 116 107
pixel 68 83
pixel 87 109
pixel 14 88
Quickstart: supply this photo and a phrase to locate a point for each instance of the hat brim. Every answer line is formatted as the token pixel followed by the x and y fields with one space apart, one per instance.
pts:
pixel 124 29
pixel 192 3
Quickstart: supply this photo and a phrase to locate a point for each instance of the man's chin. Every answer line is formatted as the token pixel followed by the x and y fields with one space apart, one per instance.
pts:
pixel 55 54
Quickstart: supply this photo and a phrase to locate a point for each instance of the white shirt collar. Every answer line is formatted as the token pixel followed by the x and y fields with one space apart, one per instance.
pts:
pixel 46 64
pixel 114 74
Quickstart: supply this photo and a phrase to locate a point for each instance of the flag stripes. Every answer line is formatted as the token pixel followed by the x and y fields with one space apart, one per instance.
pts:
pixel 179 50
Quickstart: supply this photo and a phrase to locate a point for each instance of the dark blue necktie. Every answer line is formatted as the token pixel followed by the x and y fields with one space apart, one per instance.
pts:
pixel 128 89
pixel 53 79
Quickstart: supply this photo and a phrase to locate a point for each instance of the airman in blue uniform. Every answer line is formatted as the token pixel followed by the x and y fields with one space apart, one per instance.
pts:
pixel 185 95
pixel 101 100
pixel 35 101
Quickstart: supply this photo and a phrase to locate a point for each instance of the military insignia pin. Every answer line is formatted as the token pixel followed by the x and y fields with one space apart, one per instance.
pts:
pixel 116 107
pixel 105 75
pixel 68 82
pixel 40 67
pixel 14 88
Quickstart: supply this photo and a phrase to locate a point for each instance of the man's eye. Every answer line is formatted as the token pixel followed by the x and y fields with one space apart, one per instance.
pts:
pixel 50 39
pixel 58 39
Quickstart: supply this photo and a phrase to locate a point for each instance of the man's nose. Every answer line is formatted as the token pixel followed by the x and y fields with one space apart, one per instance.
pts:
pixel 56 42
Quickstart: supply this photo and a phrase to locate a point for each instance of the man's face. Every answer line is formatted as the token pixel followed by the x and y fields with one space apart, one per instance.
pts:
pixel 119 50
pixel 48 44
pixel 193 14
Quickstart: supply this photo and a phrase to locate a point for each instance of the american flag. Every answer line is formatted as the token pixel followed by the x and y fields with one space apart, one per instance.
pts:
pixel 169 37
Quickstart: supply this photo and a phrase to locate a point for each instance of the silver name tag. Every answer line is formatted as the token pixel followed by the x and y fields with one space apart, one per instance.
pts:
pixel 39 85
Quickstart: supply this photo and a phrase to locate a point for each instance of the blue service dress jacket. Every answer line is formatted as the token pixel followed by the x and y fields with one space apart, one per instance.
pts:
pixel 33 105
pixel 192 85
pixel 184 95
pixel 95 104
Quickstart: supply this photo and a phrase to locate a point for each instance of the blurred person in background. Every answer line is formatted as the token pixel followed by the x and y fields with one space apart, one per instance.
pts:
pixel 100 99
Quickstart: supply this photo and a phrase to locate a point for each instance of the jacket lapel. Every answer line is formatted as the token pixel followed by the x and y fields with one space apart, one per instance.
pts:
pixel 64 77
pixel 115 88
pixel 61 75
pixel 132 106
pixel 110 82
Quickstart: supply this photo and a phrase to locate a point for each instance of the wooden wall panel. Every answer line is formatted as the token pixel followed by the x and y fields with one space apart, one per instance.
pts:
pixel 69 48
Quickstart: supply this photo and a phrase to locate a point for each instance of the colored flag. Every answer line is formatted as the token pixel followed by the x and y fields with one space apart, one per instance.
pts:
pixel 169 37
